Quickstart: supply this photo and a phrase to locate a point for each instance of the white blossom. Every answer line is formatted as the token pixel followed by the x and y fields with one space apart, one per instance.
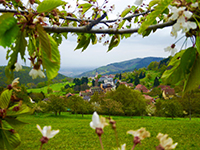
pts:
pixel 141 133
pixel 171 49
pixel 182 22
pixel 46 131
pixel 166 142
pixel 138 2
pixel 97 122
pixel 195 5
pixel 34 73
pixel 18 67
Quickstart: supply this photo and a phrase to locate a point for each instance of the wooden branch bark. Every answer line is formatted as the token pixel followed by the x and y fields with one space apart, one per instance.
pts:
pixel 104 31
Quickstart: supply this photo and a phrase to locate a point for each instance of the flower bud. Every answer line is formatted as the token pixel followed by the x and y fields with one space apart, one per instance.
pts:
pixel 99 131
pixel 44 139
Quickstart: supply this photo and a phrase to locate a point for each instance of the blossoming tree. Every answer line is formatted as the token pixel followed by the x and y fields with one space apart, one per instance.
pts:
pixel 39 26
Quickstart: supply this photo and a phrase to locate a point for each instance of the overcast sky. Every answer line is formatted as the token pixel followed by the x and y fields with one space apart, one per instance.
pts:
pixel 97 55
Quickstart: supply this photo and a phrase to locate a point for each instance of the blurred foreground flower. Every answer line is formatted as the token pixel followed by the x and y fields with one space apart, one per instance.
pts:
pixel 18 67
pixel 34 73
pixel 166 143
pixel 47 133
pixel 14 85
pixel 98 123
pixel 171 49
pixel 139 135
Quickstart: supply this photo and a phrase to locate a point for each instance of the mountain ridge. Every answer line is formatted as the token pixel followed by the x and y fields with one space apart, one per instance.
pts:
pixel 119 67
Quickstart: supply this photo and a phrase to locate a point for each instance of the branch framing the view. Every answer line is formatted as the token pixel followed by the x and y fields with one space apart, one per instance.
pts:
pixel 104 31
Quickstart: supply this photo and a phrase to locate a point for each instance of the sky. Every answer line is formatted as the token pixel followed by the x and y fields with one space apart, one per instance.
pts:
pixel 96 55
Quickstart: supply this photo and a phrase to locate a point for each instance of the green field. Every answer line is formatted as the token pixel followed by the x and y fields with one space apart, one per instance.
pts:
pixel 55 87
pixel 75 132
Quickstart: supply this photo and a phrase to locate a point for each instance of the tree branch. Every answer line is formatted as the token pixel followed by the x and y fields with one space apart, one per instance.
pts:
pixel 86 20
pixel 104 31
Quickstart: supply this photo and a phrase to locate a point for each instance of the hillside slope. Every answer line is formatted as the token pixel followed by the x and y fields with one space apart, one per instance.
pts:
pixel 120 67
pixel 24 77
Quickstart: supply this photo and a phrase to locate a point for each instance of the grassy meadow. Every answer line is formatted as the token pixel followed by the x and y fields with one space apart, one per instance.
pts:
pixel 76 134
pixel 55 87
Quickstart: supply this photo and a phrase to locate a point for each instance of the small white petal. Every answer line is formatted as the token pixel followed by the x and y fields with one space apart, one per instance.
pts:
pixel 18 67
pixel 187 14
pixel 195 5
pixel 138 2
pixel 192 25
pixel 95 119
pixel 41 74
pixel 44 131
pixel 33 73
pixel 53 133
pixel 39 128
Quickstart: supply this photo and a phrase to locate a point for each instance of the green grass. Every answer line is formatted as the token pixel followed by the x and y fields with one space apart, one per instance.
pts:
pixel 75 132
pixel 55 87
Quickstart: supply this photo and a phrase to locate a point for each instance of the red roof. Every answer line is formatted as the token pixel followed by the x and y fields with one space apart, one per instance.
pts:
pixel 142 88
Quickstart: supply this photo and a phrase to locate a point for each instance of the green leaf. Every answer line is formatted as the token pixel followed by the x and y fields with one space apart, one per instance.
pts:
pixel 163 4
pixel 114 42
pixel 58 38
pixel 172 72
pixel 94 39
pixel 52 65
pixel 10 140
pixel 84 41
pixel 15 123
pixel 5 98
pixel 49 5
pixel 44 41
pixel 193 80
pixel 180 66
pixel 187 60
pixel 85 7
pixel 23 109
pixel 198 43
pixel 21 44
pixel 153 2
pixel 125 12
pixel 9 29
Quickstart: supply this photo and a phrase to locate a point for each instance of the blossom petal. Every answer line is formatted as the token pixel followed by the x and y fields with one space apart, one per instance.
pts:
pixel 138 2
pixel 95 119
pixel 39 128
pixel 41 74
pixel 52 133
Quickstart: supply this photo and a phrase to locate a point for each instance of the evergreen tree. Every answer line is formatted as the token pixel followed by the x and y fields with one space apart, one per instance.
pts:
pixel 137 80
pixel 156 82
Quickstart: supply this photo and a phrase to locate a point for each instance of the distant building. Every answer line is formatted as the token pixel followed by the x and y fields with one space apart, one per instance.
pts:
pixel 141 88
pixel 168 93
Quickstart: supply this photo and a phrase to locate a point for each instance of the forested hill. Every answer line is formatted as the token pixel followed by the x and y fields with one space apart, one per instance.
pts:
pixel 125 66
pixel 25 78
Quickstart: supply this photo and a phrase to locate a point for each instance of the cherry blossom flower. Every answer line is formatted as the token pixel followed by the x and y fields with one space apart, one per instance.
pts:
pixel 47 133
pixel 14 85
pixel 98 122
pixel 18 67
pixel 182 16
pixel 138 2
pixel 166 142
pixel 35 73
pixel 141 133
pixel 195 5
pixel 171 49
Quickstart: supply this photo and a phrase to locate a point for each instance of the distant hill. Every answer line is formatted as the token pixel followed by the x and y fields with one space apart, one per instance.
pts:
pixel 24 77
pixel 125 66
